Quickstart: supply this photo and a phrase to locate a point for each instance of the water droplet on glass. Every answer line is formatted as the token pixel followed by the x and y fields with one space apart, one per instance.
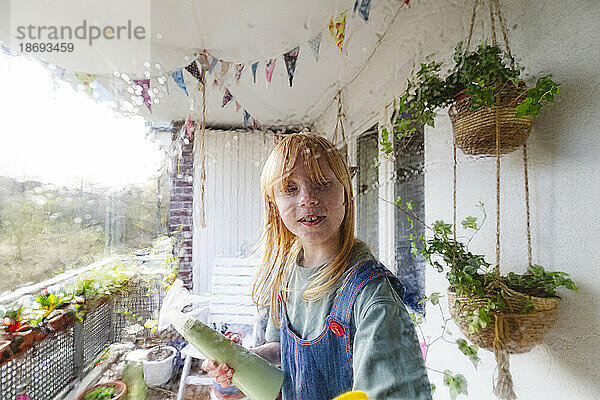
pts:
pixel 179 176
pixel 147 64
pixel 125 77
pixel 117 74
pixel 190 178
pixel 157 66
pixel 159 35
pixel 186 58
pixel 76 220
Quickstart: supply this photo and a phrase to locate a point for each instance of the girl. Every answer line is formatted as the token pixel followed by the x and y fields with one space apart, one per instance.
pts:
pixel 337 322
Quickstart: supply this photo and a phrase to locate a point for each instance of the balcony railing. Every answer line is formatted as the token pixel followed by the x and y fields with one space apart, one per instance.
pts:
pixel 52 367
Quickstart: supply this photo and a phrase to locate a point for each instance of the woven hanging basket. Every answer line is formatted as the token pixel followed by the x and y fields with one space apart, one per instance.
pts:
pixel 521 331
pixel 475 131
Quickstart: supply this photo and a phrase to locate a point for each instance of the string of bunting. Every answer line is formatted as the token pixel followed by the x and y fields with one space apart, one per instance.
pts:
pixel 217 67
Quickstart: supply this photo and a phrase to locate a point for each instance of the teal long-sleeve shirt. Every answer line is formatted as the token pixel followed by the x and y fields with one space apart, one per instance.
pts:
pixel 386 356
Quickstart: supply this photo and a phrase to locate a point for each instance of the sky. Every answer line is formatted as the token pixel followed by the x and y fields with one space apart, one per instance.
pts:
pixel 52 133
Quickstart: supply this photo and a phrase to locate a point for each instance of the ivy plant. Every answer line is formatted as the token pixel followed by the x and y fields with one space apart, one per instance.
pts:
pixel 483 74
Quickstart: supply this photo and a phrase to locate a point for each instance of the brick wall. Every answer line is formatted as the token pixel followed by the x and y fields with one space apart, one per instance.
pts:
pixel 181 206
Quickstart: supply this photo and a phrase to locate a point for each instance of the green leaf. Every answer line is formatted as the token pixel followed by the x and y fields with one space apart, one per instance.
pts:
pixel 469 351
pixel 416 319
pixel 469 223
pixel 434 298
pixel 432 387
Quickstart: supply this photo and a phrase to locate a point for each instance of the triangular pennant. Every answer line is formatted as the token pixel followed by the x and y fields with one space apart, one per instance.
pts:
pixel 227 97
pixel 246 118
pixel 224 69
pixel 363 8
pixel 213 63
pixel 145 84
pixel 237 106
pixel 315 44
pixel 238 72
pixel 290 62
pixel 189 128
pixel 254 68
pixel 269 70
pixel 192 68
pixel 203 60
pixel 85 80
pixel 178 78
pixel 337 29
pixel 100 93
pixel 8 51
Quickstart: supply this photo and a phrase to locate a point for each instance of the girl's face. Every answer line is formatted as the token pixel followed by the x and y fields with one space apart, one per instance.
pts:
pixel 313 212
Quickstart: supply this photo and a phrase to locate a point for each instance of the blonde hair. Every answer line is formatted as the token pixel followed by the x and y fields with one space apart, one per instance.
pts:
pixel 280 247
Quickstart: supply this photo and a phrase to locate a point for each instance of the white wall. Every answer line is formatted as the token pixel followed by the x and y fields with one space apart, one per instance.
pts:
pixel 233 204
pixel 564 148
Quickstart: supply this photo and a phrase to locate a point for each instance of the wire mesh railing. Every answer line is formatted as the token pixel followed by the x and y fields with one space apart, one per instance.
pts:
pixel 49 368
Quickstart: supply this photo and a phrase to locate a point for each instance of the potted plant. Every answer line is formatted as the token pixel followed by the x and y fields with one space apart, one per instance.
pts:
pixel 113 390
pixel 52 309
pixel 483 89
pixel 506 314
pixel 16 329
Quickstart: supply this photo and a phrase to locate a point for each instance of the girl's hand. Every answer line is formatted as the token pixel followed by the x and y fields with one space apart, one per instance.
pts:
pixel 220 373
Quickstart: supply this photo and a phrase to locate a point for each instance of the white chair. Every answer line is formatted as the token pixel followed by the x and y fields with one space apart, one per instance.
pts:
pixel 230 304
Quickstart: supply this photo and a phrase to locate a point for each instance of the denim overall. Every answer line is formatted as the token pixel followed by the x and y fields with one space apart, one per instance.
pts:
pixel 321 369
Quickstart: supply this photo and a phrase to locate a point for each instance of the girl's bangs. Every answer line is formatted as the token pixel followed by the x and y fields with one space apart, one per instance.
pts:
pixel 310 154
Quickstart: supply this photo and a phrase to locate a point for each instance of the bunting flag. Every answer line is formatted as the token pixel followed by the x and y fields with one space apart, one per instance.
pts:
pixel 203 60
pixel 85 80
pixel 227 97
pixel 178 78
pixel 188 126
pixel 254 68
pixel 6 50
pixel 315 44
pixel 246 118
pixel 213 64
pixel 192 68
pixel 237 106
pixel 145 84
pixel 269 70
pixel 363 8
pixel 337 29
pixel 100 93
pixel 290 62
pixel 238 72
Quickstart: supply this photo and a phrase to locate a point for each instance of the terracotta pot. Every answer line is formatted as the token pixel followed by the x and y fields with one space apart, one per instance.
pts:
pixel 60 322
pixel 120 389
pixel 25 339
pixel 3 346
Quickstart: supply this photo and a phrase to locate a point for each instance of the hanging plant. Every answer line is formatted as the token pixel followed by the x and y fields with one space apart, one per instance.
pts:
pixel 484 91
pixel 480 85
pixel 506 314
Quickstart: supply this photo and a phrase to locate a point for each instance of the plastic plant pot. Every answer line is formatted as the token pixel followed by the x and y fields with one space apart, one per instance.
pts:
pixel 158 372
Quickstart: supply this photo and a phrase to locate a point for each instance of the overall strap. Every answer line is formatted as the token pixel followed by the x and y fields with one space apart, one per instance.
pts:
pixel 353 284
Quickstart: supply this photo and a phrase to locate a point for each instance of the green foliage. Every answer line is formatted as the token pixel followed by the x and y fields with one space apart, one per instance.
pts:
pixel 457 384
pixel 539 282
pixel 544 90
pixel 102 393
pixel 469 351
pixel 14 320
pixel 416 319
pixel 483 74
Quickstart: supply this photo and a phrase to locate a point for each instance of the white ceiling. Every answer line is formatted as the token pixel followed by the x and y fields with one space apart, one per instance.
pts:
pixel 237 32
